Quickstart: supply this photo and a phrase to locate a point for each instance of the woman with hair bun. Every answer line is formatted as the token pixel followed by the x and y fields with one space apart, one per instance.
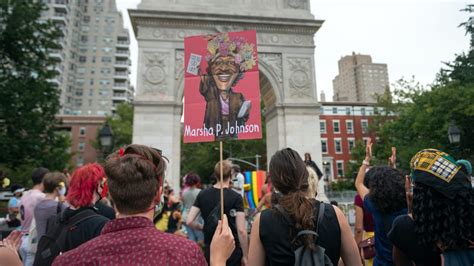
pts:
pixel 273 238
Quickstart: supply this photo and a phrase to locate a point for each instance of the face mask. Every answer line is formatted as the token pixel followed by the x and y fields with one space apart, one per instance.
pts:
pixel 159 207
pixel 62 191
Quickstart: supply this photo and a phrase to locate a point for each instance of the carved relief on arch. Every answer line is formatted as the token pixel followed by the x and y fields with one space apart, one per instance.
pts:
pixel 274 63
pixel 154 76
pixel 300 77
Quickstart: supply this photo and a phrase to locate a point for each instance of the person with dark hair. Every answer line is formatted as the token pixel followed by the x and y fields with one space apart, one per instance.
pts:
pixel 274 231
pixel 27 206
pixel 135 177
pixel 192 181
pixel 441 219
pixel 208 205
pixel 55 188
pixel 384 199
pixel 309 162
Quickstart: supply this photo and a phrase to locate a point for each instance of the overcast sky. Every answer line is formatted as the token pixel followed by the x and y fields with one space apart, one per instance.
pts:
pixel 413 37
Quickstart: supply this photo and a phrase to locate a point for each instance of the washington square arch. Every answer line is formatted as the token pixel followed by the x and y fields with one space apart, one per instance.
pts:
pixel 285 38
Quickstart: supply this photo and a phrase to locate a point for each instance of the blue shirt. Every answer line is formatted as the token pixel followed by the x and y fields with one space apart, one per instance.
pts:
pixel 383 246
pixel 13 203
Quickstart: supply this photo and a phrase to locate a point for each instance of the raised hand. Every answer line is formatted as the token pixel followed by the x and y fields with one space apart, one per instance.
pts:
pixel 223 243
pixel 368 151
pixel 392 160
pixel 13 241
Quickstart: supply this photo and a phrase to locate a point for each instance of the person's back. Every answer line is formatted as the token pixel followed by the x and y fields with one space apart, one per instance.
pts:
pixel 277 234
pixel 189 197
pixel 44 210
pixel 207 201
pixel 84 230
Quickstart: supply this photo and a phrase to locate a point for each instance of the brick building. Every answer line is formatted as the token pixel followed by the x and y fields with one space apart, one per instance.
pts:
pixel 83 131
pixel 341 125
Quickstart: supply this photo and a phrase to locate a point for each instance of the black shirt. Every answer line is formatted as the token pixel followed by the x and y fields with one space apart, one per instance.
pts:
pixel 277 234
pixel 403 236
pixel 105 210
pixel 206 201
pixel 85 230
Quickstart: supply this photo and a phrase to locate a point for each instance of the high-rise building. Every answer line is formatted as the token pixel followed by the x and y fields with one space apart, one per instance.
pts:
pixel 359 79
pixel 94 59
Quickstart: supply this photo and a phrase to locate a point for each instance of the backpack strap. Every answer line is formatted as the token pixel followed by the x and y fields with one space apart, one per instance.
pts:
pixel 70 224
pixel 320 219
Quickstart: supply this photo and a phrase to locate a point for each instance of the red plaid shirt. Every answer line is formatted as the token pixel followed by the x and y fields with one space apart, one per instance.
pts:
pixel 133 241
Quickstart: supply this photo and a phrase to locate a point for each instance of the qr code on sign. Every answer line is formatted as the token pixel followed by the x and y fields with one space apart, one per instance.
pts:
pixel 194 64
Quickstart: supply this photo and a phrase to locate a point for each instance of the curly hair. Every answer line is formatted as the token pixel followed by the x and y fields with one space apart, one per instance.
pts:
pixel 387 189
pixel 441 222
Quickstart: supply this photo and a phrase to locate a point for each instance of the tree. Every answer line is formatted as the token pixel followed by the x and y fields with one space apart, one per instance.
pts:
pixel 424 114
pixel 28 100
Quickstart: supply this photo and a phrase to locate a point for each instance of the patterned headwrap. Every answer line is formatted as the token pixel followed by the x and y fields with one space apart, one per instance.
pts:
pixel 440 171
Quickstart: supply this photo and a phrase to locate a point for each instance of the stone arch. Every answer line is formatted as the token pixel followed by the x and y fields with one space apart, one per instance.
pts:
pixel 285 37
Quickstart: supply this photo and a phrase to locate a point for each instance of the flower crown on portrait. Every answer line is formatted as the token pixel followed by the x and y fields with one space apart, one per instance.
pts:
pixel 224 45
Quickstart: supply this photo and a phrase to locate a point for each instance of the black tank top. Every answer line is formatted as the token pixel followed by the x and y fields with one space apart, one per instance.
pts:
pixel 276 239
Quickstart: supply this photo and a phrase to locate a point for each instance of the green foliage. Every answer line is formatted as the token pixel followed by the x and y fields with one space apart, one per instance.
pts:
pixel 28 101
pixel 343 185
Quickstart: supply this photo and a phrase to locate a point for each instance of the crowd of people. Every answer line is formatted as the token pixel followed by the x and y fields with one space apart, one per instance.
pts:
pixel 124 213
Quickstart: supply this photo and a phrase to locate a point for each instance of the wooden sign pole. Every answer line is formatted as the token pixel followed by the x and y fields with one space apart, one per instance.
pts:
pixel 222 179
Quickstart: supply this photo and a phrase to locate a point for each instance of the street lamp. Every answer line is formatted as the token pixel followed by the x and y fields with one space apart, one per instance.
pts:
pixel 454 134
pixel 106 138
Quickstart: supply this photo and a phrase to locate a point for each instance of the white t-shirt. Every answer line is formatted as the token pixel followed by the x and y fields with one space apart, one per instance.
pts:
pixel 27 206
pixel 238 182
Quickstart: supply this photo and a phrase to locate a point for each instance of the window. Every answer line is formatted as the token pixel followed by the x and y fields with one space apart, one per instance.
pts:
pixel 348 110
pixel 340 168
pixel 78 103
pixel 84 38
pixel 79 92
pixel 79 161
pixel 103 92
pixel 362 110
pixel 324 145
pixel 93 59
pixel 104 82
pixel 79 82
pixel 322 126
pixel 105 71
pixel 106 59
pixel 91 82
pixel 82 131
pixel 335 126
pixel 334 110
pixel 337 145
pixel 351 144
pixel 93 69
pixel 365 125
pixel 350 126
pixel 91 92
pixel 82 59
pixel 86 19
pixel 365 141
pixel 107 49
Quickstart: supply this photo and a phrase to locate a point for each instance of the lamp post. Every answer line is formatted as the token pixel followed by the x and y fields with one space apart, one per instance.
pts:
pixel 454 134
pixel 106 139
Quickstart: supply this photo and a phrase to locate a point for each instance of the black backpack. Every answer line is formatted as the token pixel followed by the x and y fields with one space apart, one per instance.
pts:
pixel 54 241
pixel 303 255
